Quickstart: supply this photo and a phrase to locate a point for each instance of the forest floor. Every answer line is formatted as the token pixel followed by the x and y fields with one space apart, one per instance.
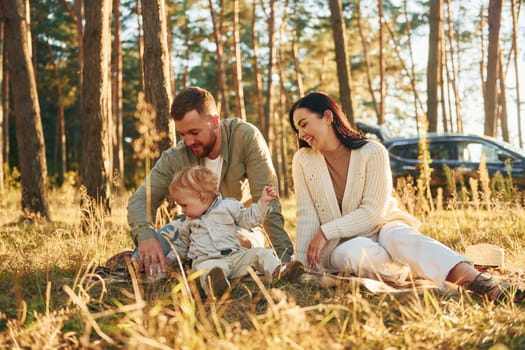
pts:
pixel 50 298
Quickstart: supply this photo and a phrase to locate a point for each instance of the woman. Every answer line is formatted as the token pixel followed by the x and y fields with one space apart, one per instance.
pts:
pixel 347 218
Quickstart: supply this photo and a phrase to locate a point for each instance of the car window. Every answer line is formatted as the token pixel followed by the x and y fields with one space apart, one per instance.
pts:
pixel 409 151
pixel 471 151
pixel 439 151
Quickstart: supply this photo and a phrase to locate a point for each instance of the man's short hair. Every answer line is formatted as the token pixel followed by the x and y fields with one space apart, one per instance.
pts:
pixel 193 98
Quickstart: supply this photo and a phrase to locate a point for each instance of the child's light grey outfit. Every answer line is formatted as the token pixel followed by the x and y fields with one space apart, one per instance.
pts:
pixel 212 240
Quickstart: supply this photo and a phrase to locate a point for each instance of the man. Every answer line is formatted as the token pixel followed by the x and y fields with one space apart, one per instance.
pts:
pixel 233 149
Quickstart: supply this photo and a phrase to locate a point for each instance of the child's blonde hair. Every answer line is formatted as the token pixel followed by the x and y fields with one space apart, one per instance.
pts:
pixel 198 179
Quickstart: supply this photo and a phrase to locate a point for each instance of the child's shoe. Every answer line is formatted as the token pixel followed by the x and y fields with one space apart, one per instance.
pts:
pixel 217 282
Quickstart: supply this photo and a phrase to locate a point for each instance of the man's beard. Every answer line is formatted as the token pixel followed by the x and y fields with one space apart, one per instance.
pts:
pixel 206 148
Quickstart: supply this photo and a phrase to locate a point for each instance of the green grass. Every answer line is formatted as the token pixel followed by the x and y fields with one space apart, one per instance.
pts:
pixel 46 301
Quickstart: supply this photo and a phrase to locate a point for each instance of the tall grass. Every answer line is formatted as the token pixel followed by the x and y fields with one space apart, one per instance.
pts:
pixel 50 298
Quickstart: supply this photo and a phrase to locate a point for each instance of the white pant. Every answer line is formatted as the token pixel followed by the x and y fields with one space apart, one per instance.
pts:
pixel 400 244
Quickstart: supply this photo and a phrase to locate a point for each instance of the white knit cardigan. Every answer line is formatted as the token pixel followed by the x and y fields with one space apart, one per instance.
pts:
pixel 367 204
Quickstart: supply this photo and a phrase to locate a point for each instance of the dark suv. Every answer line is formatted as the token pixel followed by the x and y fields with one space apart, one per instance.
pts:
pixel 461 153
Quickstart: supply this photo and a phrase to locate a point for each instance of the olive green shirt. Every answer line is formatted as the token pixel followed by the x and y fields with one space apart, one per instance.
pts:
pixel 247 167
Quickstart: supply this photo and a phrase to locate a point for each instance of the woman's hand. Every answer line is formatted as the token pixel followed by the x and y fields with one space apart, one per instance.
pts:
pixel 315 249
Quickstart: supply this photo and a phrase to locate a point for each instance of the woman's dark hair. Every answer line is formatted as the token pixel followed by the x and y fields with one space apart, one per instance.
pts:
pixel 319 102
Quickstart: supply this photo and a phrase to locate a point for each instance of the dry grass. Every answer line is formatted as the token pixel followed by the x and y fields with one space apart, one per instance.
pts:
pixel 47 300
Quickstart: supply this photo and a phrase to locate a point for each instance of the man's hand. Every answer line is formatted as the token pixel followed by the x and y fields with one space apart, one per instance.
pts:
pixel 151 257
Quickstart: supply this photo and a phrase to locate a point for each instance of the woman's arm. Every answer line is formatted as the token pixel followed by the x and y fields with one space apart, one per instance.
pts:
pixel 307 217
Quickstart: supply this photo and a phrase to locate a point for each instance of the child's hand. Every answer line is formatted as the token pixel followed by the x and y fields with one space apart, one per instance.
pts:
pixel 268 194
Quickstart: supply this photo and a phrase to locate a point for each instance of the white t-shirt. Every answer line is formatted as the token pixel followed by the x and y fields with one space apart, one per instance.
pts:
pixel 214 165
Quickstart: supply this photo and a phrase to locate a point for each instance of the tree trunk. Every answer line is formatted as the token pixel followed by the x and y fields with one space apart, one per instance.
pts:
pixel 2 117
pixel 516 67
pixel 60 144
pixel 452 79
pixel 78 18
pixel 482 53
pixel 237 71
pixel 285 169
pixel 170 52
pixel 285 102
pixel 434 62
pixel 502 101
pixel 140 42
pixel 295 53
pixel 341 58
pixel 186 71
pixel 96 106
pixel 222 96
pixel 281 58
pixel 382 81
pixel 282 150
pixel 117 133
pixel 441 84
pixel 156 71
pixel 268 108
pixel 367 62
pixel 490 102
pixel 29 133
pixel 412 73
pixel 6 104
pixel 256 72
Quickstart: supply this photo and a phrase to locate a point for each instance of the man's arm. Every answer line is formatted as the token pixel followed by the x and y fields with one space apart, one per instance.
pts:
pixel 142 208
pixel 150 195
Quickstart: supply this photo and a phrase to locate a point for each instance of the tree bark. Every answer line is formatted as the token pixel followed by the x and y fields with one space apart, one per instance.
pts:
pixel 341 58
pixel 452 80
pixel 2 117
pixel 6 104
pixel 482 53
pixel 78 18
pixel 29 132
pixel 96 107
pixel 268 108
pixel 367 61
pixel 157 83
pixel 382 81
pixel 237 71
pixel 117 133
pixel 222 97
pixel 434 62
pixel 60 144
pixel 279 142
pixel 140 42
pixel 491 93
pixel 412 73
pixel 441 84
pixel 170 51
pixel 256 72
pixel 502 101
pixel 516 68
pixel 295 53
pixel 186 55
